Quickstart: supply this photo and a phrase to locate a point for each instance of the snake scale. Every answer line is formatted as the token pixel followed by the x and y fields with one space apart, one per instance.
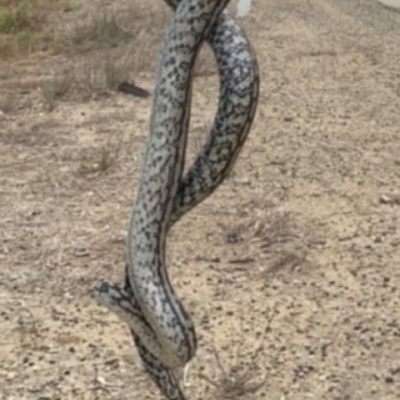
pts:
pixel 169 339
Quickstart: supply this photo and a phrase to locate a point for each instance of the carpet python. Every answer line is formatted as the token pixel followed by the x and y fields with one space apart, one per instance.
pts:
pixel 169 339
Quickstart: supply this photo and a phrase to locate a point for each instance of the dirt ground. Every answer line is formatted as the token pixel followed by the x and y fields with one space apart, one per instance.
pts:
pixel 290 270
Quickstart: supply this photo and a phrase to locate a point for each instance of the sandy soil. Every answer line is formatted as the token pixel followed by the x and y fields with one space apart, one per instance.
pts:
pixel 290 270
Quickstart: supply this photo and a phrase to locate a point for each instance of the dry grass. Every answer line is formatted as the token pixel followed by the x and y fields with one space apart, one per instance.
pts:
pixel 241 378
pixel 90 76
pixel 56 88
pixel 104 48
pixel 134 32
pixel 271 231
pixel 99 30
pixel 101 72
pixel 23 25
pixel 100 160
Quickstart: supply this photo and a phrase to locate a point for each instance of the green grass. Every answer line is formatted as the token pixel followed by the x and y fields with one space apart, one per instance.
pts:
pixel 23 24
pixel 18 16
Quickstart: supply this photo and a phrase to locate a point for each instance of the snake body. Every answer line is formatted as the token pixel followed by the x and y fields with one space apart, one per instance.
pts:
pixel 160 178
pixel 238 100
pixel 237 105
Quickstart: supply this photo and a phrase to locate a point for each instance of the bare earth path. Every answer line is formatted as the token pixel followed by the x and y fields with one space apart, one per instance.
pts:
pixel 290 269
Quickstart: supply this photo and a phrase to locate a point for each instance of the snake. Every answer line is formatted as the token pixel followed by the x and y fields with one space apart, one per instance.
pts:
pixel 239 87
